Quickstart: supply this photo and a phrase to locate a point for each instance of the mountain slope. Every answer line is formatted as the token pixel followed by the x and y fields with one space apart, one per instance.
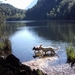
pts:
pixel 53 10
pixel 12 13
pixel 31 4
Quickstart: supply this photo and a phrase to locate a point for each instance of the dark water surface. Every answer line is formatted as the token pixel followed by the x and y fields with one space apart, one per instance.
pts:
pixel 24 35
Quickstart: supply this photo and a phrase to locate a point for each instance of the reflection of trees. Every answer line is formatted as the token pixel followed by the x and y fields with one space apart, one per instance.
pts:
pixel 2 16
pixel 57 30
pixel 2 29
pixel 10 28
pixel 54 30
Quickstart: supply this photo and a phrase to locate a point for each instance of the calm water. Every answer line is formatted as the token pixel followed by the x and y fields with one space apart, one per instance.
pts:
pixel 24 35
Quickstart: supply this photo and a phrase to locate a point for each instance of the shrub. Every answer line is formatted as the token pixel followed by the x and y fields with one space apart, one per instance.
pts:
pixel 70 51
pixel 1 45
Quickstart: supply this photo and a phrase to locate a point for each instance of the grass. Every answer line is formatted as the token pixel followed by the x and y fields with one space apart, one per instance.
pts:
pixel 5 46
pixel 70 51
pixel 1 45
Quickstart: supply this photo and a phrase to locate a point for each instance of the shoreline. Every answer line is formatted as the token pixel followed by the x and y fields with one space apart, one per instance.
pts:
pixel 38 62
pixel 43 65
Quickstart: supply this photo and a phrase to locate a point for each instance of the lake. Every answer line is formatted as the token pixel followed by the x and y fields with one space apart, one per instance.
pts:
pixel 24 35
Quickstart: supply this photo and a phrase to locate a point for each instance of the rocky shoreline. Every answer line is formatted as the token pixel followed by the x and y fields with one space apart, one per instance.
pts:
pixel 45 67
pixel 12 66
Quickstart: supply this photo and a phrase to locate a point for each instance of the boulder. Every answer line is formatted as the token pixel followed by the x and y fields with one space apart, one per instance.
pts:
pixel 14 61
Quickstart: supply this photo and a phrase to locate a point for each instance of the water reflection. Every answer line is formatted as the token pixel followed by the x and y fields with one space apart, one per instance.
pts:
pixel 40 55
pixel 57 31
pixel 52 30
pixel 25 35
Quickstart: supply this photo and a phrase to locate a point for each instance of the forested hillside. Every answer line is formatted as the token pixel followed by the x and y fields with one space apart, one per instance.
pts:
pixel 12 13
pixel 42 10
pixel 52 10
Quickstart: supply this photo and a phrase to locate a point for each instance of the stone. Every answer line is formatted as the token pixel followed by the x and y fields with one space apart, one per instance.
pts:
pixel 14 61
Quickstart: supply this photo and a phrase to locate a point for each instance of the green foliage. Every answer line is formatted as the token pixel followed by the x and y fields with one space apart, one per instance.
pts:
pixel 5 47
pixel 2 17
pixel 40 72
pixel 1 45
pixel 42 10
pixel 12 13
pixel 52 9
pixel 70 51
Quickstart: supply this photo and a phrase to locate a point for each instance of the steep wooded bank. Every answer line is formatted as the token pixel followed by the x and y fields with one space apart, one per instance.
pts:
pixel 52 10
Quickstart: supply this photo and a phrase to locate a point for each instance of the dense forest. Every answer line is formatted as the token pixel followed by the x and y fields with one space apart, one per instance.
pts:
pixel 11 13
pixel 42 10
pixel 52 10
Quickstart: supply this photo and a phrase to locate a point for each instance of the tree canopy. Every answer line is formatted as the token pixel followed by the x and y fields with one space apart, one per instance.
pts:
pixel 42 10
pixel 52 10
pixel 12 13
pixel 2 18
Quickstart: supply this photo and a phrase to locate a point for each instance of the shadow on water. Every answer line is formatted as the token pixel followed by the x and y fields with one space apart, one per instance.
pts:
pixel 49 55
pixel 39 55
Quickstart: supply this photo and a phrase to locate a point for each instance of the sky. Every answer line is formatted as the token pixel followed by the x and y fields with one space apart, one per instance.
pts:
pixel 21 4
